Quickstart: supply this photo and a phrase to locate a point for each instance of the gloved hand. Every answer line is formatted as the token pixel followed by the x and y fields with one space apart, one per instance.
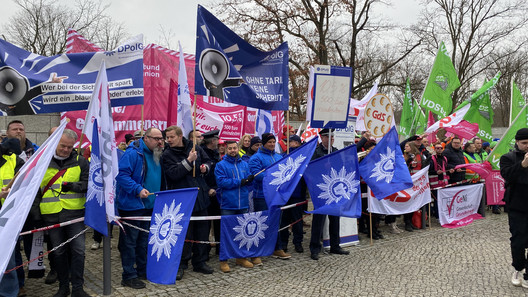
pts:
pixel 66 187
pixel 247 180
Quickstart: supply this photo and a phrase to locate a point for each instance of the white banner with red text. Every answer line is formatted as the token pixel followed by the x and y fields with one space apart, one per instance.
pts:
pixel 458 206
pixel 405 201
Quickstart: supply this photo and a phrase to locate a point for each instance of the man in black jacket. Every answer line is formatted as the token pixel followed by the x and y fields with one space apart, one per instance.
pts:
pixel 210 147
pixel 455 156
pixel 318 219
pixel 514 170
pixel 184 166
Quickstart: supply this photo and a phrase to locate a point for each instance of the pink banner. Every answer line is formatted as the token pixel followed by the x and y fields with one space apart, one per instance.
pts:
pixel 495 188
pixel 464 129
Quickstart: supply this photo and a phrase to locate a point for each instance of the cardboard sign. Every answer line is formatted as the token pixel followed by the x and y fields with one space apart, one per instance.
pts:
pixel 378 115
pixel 332 87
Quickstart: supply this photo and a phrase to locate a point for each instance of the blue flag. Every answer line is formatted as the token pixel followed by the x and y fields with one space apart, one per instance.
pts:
pixel 333 182
pixel 34 84
pixel 384 168
pixel 229 68
pixel 168 227
pixel 95 211
pixel 253 234
pixel 282 177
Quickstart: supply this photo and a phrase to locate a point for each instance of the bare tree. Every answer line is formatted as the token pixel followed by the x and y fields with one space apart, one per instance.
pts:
pixel 41 26
pixel 473 30
pixel 318 32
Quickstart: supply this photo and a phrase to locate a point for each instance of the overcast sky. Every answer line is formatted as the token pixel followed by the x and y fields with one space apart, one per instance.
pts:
pixel 178 17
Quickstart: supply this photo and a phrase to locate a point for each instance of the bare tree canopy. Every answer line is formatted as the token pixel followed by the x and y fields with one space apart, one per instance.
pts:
pixel 41 26
pixel 473 30
pixel 335 32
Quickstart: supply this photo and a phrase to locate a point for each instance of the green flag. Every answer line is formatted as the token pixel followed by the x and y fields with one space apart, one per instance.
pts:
pixel 507 141
pixel 407 113
pixel 481 111
pixel 517 101
pixel 442 82
pixel 420 120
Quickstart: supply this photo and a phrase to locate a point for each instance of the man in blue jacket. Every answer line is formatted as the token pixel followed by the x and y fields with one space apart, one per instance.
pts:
pixel 232 177
pixel 261 160
pixel 139 175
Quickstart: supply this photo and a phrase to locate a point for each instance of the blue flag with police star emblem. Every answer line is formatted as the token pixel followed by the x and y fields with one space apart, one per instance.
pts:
pixel 333 182
pixel 384 168
pixel 283 176
pixel 168 227
pixel 253 234
pixel 95 210
pixel 229 68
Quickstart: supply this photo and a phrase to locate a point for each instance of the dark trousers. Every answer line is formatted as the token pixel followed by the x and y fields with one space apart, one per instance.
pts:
pixel 260 205
pixel 519 240
pixel 214 210
pixel 133 245
pixel 317 232
pixel 196 252
pixel 289 216
pixel 9 283
pixel 69 268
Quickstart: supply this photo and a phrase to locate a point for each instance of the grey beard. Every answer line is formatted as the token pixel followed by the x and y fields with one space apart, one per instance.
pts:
pixel 156 154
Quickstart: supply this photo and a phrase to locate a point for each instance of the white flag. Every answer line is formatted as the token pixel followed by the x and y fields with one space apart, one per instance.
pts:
pixel 449 121
pixel 405 201
pixel 107 146
pixel 184 118
pixel 18 203
pixel 360 105
pixel 264 122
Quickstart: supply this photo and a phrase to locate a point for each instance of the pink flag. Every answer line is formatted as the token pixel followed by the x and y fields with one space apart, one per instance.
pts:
pixel 430 121
pixel 483 169
pixel 464 129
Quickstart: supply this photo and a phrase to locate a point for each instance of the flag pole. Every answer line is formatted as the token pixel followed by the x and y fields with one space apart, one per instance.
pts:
pixel 430 227
pixel 370 227
pixel 107 263
pixel 142 119
pixel 194 136
pixel 80 143
pixel 288 132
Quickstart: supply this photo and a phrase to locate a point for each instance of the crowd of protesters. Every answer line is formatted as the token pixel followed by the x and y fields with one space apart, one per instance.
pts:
pixel 226 172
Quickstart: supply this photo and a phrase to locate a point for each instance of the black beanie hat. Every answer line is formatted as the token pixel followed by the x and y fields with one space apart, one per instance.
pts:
pixel 254 140
pixel 11 145
pixel 267 137
pixel 521 134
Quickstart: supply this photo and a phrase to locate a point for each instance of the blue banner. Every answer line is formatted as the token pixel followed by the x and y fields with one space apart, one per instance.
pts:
pixel 229 68
pixel 252 234
pixel 333 182
pixel 283 176
pixel 95 211
pixel 168 227
pixel 34 84
pixel 384 168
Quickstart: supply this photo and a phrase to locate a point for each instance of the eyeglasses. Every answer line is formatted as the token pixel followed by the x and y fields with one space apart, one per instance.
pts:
pixel 155 138
pixel 439 148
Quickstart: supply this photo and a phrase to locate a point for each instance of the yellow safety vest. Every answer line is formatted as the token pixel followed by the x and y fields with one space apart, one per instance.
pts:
pixel 53 200
pixel 7 171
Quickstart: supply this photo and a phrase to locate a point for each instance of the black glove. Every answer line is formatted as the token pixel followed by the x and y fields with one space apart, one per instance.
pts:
pixel 250 178
pixel 66 187
pixel 247 180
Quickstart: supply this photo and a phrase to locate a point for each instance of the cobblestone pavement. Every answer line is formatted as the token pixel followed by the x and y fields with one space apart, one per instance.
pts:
pixel 468 261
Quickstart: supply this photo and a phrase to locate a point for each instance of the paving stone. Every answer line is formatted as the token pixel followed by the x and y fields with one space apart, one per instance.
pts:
pixel 470 261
